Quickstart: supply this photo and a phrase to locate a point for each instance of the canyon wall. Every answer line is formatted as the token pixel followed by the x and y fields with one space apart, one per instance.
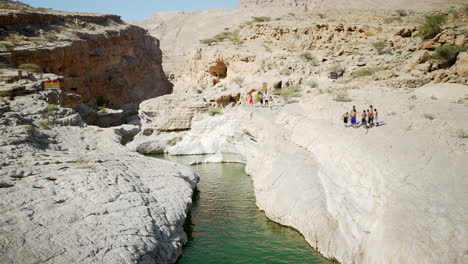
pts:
pixel 100 57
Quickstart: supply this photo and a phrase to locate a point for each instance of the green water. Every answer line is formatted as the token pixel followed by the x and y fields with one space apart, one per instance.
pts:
pixel 225 225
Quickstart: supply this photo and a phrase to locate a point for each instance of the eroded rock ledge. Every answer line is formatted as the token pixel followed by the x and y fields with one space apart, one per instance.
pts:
pixel 99 56
pixel 71 194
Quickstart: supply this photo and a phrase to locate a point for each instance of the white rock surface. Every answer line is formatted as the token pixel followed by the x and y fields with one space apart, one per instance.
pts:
pixel 173 112
pixel 75 195
pixel 391 194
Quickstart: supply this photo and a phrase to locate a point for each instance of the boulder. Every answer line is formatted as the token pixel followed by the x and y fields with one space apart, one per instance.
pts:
pixel 103 118
pixel 417 57
pixel 461 66
pixel 173 112
pixel 70 100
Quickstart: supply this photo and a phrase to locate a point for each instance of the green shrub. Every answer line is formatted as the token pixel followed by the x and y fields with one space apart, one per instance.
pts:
pixel 434 97
pixel 432 25
pixel 312 84
pixel 51 108
pixel 100 130
pixel 51 37
pixel 429 116
pixel 285 72
pixel 288 92
pixel 446 55
pixel 81 160
pixel 101 103
pixel 310 58
pixel 29 128
pixel 341 95
pixel 30 67
pixel 44 125
pixel 239 81
pixel 390 20
pixel 267 48
pixel 9 46
pixel 462 134
pixel 265 66
pixel 380 46
pixel 208 41
pixel 392 114
pixel 175 140
pixel 364 72
pixel 212 111
pixel 233 36
pixel 2 65
pixel 261 19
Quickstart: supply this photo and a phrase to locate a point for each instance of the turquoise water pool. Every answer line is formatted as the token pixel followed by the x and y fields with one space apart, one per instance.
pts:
pixel 225 225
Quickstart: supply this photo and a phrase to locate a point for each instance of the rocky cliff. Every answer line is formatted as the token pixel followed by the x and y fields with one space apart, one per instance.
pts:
pixel 380 4
pixel 100 57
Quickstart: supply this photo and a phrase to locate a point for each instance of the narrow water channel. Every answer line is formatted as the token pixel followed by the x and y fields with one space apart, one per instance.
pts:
pixel 225 225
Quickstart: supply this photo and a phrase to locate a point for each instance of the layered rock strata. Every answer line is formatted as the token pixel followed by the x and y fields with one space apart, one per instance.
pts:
pixel 75 194
pixel 100 57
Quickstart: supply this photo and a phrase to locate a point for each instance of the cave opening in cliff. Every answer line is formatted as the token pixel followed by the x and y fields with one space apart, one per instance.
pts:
pixel 219 70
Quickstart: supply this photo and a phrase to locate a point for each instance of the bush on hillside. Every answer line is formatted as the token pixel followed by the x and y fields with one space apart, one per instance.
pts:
pixel 313 84
pixel 239 81
pixel 9 46
pixel 364 72
pixel 262 19
pixel 380 46
pixel 288 92
pixel 30 67
pixel 310 58
pixel 432 25
pixel 341 95
pixel 446 55
pixel 212 111
pixel 233 36
pixel 390 20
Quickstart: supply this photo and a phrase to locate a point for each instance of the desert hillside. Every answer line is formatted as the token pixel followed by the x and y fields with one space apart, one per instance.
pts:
pixel 360 4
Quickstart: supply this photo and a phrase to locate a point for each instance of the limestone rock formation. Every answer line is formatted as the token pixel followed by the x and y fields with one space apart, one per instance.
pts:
pixel 173 112
pixel 75 194
pixel 99 56
pixel 376 4
pixel 360 196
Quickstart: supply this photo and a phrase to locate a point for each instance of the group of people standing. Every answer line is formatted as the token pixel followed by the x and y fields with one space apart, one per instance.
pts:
pixel 369 118
pixel 266 100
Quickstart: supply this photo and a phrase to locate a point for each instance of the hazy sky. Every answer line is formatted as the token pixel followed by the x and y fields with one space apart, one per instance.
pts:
pixel 131 9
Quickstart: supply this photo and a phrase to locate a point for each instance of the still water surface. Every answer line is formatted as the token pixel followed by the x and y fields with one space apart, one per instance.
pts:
pixel 225 225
